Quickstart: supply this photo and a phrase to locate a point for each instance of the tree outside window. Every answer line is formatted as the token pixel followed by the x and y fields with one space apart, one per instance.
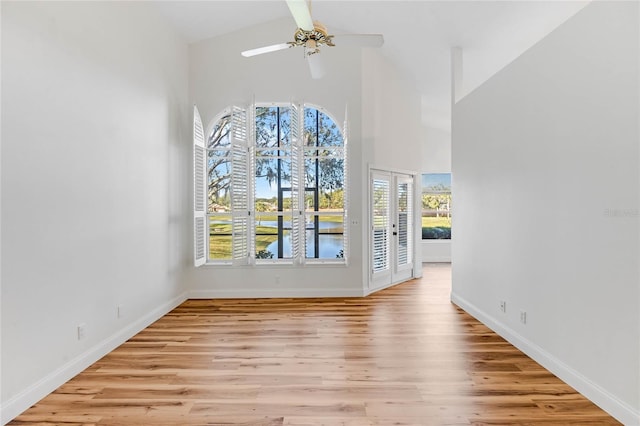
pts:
pixel 436 206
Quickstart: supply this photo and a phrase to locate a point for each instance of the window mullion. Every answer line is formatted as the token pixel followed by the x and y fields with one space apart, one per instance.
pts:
pixel 279 186
pixel 316 193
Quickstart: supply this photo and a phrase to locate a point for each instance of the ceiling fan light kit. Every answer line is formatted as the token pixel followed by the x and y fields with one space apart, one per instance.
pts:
pixel 312 34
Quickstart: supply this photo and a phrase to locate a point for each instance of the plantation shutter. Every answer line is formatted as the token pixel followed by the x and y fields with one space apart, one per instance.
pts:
pixel 405 220
pixel 380 188
pixel 251 176
pixel 297 185
pixel 199 191
pixel 345 185
pixel 239 186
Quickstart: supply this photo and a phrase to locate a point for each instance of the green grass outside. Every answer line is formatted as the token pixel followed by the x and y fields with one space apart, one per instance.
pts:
pixel 436 222
pixel 220 247
pixel 220 244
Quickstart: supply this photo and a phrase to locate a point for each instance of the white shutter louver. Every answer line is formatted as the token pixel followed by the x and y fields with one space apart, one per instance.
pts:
pixel 251 174
pixel 239 186
pixel 380 224
pixel 199 191
pixel 405 221
pixel 410 225
pixel 297 185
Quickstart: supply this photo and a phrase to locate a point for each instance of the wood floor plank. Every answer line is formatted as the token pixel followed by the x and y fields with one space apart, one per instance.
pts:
pixel 284 408
pixel 403 356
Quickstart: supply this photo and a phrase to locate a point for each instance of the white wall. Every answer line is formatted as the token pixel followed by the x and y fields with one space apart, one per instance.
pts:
pixel 392 132
pixel 546 186
pixel 220 76
pixel 95 157
pixel 436 151
pixel 436 158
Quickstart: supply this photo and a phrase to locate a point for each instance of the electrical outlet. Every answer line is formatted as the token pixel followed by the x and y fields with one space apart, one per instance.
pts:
pixel 523 317
pixel 503 306
pixel 81 331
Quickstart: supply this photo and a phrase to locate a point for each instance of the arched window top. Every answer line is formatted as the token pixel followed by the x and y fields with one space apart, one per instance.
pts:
pixel 270 117
pixel 220 131
pixel 320 129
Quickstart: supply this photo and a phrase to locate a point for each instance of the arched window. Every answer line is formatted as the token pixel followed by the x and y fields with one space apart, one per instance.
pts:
pixel 276 186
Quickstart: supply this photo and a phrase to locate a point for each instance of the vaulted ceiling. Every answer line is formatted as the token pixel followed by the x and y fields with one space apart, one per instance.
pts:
pixel 418 34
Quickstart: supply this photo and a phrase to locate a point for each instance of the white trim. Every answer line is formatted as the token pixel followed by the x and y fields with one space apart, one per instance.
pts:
pixel 620 410
pixel 407 172
pixel 34 393
pixel 274 293
pixel 280 263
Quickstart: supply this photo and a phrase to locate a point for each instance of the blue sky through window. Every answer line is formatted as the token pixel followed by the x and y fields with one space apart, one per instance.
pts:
pixel 430 180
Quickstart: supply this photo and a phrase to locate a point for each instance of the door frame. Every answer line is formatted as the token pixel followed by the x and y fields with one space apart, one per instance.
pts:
pixel 392 173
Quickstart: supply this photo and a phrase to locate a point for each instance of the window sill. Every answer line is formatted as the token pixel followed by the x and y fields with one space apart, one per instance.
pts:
pixel 275 263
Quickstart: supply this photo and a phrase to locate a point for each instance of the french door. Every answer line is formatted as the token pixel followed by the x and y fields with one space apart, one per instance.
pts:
pixel 392 228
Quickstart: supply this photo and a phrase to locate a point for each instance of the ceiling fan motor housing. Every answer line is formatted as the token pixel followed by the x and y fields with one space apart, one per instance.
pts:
pixel 312 39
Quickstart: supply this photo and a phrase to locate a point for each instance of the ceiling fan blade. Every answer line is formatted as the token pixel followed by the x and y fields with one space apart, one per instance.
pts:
pixel 266 49
pixel 301 14
pixel 316 66
pixel 359 40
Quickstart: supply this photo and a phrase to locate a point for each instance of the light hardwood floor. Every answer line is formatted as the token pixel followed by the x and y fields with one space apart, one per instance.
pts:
pixel 403 356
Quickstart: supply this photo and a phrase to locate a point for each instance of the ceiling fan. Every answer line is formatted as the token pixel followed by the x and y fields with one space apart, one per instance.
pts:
pixel 311 35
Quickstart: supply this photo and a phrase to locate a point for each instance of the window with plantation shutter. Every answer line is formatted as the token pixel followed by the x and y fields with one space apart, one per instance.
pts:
pixel 219 211
pixel 275 186
pixel 275 193
pixel 324 157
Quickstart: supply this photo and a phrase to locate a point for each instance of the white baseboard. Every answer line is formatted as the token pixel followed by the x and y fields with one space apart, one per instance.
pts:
pixel 624 413
pixel 34 393
pixel 274 293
